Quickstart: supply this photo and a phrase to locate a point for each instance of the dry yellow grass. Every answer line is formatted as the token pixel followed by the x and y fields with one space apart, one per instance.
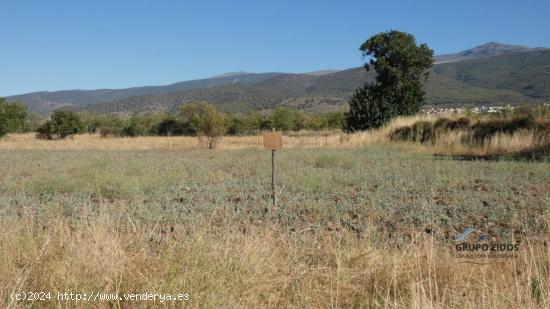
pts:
pixel 136 221
pixel 96 142
pixel 258 268
pixel 449 143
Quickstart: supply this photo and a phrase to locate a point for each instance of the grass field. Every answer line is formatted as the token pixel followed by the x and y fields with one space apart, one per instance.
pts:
pixel 363 226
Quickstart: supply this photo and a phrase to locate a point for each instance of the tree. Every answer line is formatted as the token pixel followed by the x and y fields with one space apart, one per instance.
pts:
pixel 61 125
pixel 286 119
pixel 12 117
pixel 144 123
pixel 401 66
pixel 206 120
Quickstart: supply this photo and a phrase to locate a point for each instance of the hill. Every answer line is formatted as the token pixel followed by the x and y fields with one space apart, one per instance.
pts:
pixel 488 74
pixel 45 101
pixel 311 93
pixel 483 51
pixel 527 73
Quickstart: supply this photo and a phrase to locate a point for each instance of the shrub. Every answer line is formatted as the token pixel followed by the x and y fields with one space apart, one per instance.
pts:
pixel 422 132
pixel 287 119
pixel 104 124
pixel 61 125
pixel 3 127
pixel 46 131
pixel 146 123
pixel 170 127
pixel 205 119
pixel 486 129
pixel 12 117
pixel 111 131
pixel 446 124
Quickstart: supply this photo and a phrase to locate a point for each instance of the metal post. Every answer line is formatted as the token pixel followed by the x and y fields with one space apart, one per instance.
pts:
pixel 273 177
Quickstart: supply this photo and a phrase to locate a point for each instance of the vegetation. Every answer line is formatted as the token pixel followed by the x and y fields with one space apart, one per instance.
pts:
pixel 515 78
pixel 400 65
pixel 12 117
pixel 524 73
pixel 204 119
pixel 520 134
pixel 194 117
pixel 352 228
pixel 61 125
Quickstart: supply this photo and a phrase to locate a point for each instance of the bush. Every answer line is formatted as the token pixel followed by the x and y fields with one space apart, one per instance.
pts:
pixel 445 124
pixel 46 131
pixel 62 124
pixel 476 133
pixel 205 119
pixel 104 124
pixel 171 127
pixel 486 129
pixel 422 132
pixel 287 119
pixel 3 127
pixel 146 123
pixel 12 117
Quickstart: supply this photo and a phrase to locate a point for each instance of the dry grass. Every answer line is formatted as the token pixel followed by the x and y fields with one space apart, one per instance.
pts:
pixel 451 142
pixel 501 144
pixel 333 139
pixel 259 267
pixel 349 229
pixel 522 143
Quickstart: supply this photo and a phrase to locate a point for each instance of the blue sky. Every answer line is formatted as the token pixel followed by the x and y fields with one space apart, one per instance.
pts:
pixel 54 45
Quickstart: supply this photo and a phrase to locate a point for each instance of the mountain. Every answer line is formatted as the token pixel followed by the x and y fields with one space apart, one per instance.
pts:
pixel 527 73
pixel 475 82
pixel 230 74
pixel 322 72
pixel 45 101
pixel 489 74
pixel 483 51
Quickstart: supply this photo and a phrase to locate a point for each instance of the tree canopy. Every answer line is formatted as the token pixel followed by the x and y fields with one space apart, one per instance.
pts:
pixel 206 120
pixel 61 125
pixel 401 66
pixel 12 117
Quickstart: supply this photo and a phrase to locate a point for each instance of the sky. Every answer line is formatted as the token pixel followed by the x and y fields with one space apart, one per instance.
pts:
pixel 54 45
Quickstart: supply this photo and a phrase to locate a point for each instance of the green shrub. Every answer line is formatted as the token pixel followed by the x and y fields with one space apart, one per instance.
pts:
pixel 206 120
pixel 287 119
pixel 147 123
pixel 12 117
pixel 61 125
pixel 171 127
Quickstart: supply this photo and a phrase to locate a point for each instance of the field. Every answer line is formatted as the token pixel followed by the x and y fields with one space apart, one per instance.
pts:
pixel 359 222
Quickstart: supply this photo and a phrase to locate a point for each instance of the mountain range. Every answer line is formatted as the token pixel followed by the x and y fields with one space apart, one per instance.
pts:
pixel 488 74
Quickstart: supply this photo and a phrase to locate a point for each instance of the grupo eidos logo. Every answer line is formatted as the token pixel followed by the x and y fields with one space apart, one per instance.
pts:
pixel 473 241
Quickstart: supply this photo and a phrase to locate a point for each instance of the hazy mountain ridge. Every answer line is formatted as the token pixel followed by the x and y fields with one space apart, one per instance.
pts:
pixel 483 51
pixel 45 101
pixel 497 74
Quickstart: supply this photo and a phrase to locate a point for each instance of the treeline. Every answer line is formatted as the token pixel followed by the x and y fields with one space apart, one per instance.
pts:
pixel 185 123
pixel 192 119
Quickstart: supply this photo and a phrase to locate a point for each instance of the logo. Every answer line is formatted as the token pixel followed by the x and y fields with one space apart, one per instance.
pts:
pixel 472 243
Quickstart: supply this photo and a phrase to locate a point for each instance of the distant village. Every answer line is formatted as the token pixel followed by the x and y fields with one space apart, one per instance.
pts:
pixel 457 110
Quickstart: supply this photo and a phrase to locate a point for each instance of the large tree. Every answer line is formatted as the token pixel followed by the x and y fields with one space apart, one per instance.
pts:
pixel 401 66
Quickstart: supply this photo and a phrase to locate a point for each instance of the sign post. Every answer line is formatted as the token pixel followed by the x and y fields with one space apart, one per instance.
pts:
pixel 273 141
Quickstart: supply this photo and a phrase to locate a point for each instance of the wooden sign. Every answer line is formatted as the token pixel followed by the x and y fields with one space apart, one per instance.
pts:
pixel 273 140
